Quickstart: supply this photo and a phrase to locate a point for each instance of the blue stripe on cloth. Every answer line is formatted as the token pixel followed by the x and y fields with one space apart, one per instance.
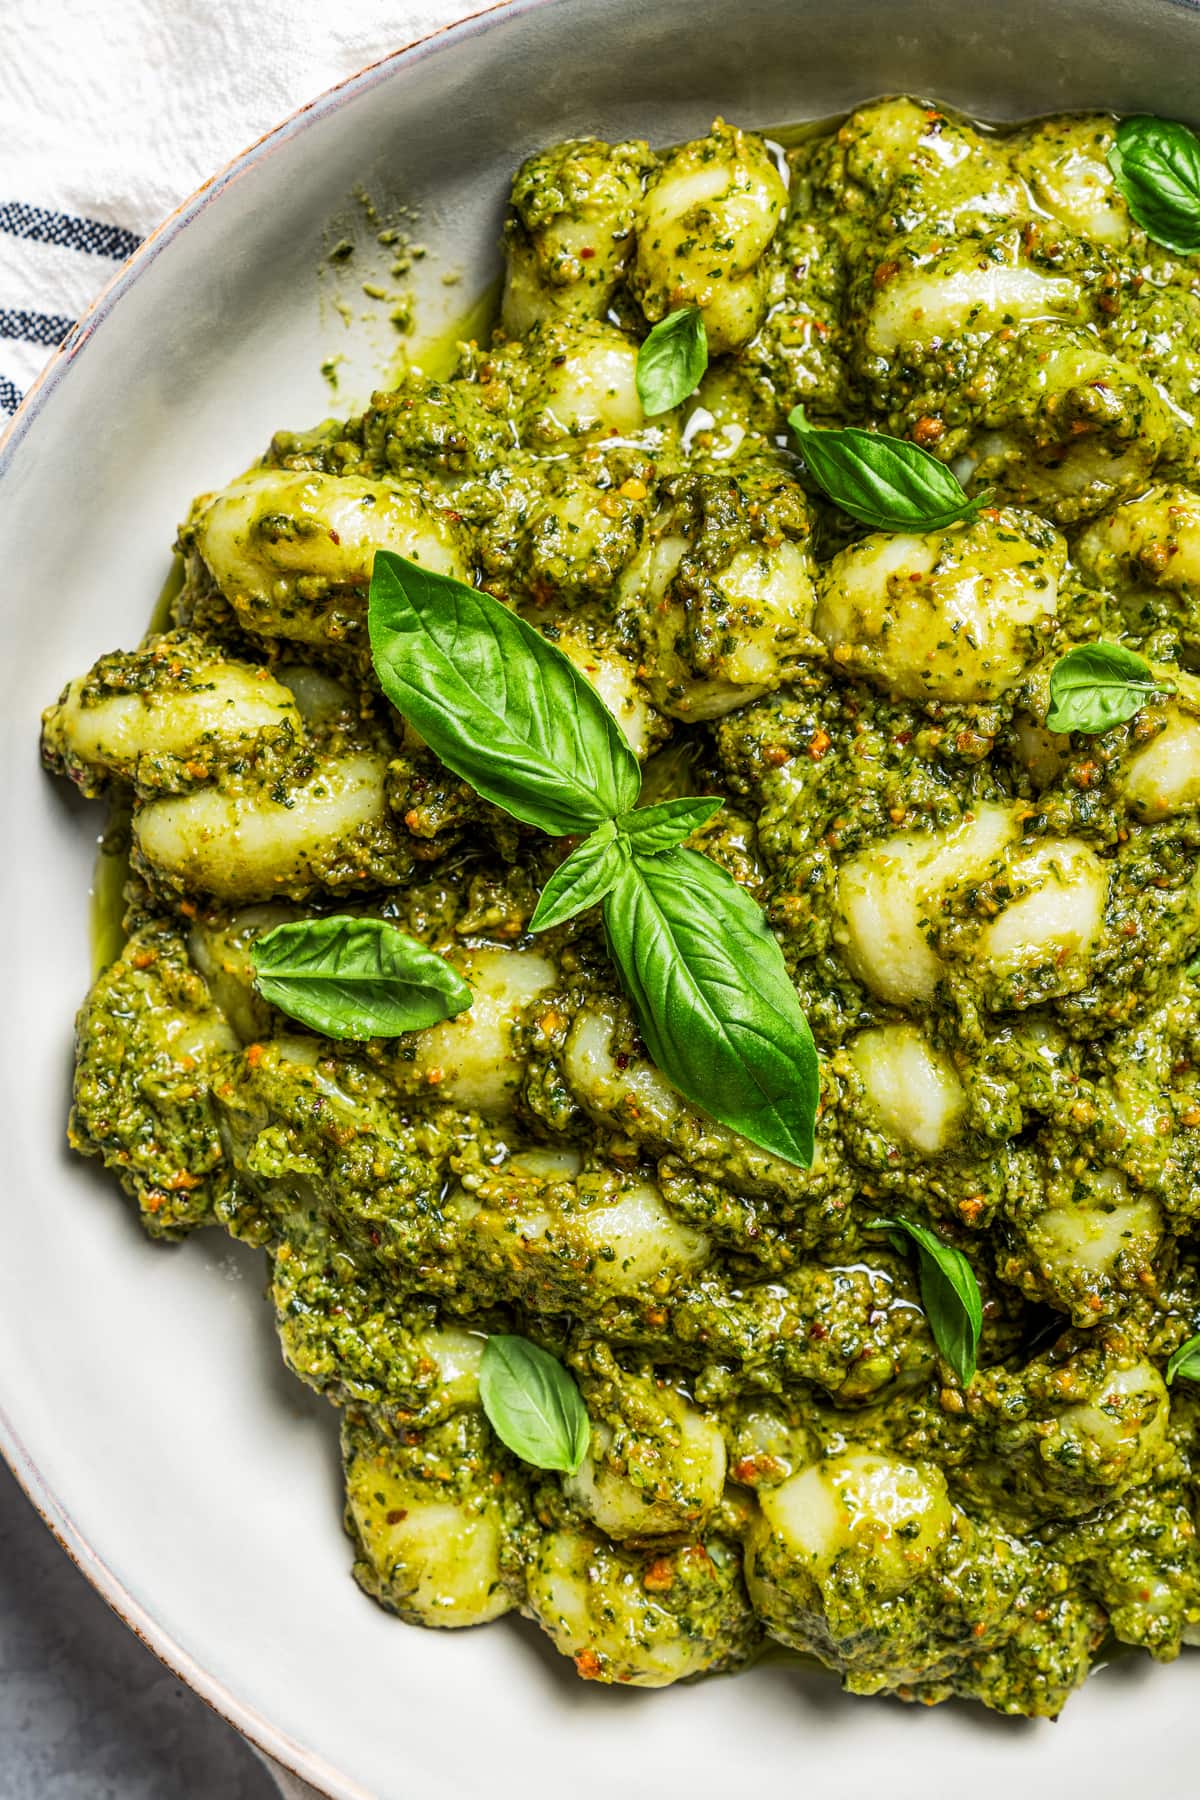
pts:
pixel 45 227
pixel 10 396
pixel 34 327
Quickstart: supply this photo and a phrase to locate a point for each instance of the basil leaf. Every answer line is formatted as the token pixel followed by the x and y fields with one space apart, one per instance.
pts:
pixel 1156 164
pixel 1185 1362
pixel 1096 686
pixel 533 1405
pixel 884 482
pixel 654 828
pixel 581 881
pixel 714 1000
pixel 949 1293
pixel 672 360
pixel 498 704
pixel 356 978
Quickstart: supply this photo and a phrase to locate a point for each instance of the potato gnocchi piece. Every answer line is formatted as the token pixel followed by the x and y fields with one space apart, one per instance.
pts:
pixel 1148 552
pixel 1057 916
pixel 569 232
pixel 292 551
pixel 1077 1427
pixel 656 1464
pixel 244 842
pixel 646 1619
pixel 718 640
pixel 585 384
pixel 221 950
pixel 703 230
pixel 909 163
pixel 1163 778
pixel 1089 1248
pixel 468 1060
pixel 558 1241
pixel 149 1047
pixel 863 1561
pixel 160 716
pixel 887 897
pixel 1068 428
pixel 953 615
pixel 975 286
pixel 892 1515
pixel 911 1087
pixel 429 1522
pixel 1065 163
pixel 894 899
pixel 1124 1425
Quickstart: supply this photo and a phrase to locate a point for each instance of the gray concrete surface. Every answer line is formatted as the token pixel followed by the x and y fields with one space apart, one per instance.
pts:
pixel 86 1713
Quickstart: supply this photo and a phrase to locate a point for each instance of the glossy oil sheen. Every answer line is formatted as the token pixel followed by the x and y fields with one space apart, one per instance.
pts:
pixel 141 1396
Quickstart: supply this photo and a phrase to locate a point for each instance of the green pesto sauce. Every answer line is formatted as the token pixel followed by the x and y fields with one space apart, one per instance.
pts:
pixel 437 353
pixel 994 930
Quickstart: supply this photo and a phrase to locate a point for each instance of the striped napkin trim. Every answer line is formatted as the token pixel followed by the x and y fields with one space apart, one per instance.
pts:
pixel 24 325
pixel 34 327
pixel 91 236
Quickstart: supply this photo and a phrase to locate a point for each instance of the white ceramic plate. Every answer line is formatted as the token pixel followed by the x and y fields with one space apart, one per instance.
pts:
pixel 142 1399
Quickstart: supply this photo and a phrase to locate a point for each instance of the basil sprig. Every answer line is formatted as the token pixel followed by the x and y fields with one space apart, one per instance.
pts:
pixel 1185 1362
pixel 885 482
pixel 708 982
pixel 713 998
pixel 949 1293
pixel 591 873
pixel 1156 165
pixel 654 828
pixel 533 1405
pixel 495 702
pixel 1096 686
pixel 588 874
pixel 672 360
pixel 356 978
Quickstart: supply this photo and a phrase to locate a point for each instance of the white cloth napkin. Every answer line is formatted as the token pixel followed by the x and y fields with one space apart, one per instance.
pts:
pixel 113 111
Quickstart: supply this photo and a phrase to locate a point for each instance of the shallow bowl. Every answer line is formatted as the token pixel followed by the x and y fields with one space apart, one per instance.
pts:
pixel 142 1399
